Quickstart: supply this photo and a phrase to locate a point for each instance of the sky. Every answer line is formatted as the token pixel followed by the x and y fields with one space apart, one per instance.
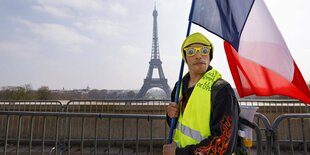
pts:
pixel 107 44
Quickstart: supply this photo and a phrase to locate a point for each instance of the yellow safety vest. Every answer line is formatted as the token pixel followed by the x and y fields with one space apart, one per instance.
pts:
pixel 194 124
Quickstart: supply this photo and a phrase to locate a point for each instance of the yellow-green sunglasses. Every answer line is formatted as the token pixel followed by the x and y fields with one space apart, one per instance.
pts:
pixel 191 51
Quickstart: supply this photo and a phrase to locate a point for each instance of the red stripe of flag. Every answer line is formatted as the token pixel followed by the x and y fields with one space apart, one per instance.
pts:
pixel 251 78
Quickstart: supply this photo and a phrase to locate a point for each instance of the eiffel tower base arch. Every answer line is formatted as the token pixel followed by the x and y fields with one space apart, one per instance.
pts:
pixel 154 83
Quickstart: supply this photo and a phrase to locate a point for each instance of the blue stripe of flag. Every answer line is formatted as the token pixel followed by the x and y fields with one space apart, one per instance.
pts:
pixel 225 18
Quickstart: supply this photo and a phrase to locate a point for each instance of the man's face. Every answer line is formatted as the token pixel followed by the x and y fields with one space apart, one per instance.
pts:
pixel 198 63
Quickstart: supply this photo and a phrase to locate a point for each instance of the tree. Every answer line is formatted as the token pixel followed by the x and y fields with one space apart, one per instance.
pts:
pixel 43 93
pixel 130 95
pixel 16 93
pixel 93 94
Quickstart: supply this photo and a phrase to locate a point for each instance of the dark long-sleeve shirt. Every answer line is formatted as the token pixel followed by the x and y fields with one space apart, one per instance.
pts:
pixel 223 123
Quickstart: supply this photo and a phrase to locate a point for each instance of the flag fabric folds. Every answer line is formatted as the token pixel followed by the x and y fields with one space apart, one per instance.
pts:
pixel 258 57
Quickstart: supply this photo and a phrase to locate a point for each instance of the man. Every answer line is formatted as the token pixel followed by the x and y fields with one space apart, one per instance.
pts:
pixel 208 110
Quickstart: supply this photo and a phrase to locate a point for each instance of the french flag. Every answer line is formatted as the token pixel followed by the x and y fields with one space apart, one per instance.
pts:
pixel 259 59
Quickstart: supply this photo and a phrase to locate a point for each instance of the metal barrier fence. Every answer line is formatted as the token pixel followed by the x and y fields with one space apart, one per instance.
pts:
pixel 266 106
pixel 265 130
pixel 282 133
pixel 277 105
pixel 117 106
pixel 85 133
pixel 269 107
pixel 31 105
pixel 297 138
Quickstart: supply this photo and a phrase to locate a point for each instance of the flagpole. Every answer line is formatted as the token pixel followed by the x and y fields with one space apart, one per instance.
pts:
pixel 177 92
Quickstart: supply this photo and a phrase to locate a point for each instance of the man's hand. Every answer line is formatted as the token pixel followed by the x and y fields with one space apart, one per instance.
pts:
pixel 169 149
pixel 173 110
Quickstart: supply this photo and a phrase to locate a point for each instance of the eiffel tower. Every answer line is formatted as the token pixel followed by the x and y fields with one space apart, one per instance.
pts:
pixel 155 63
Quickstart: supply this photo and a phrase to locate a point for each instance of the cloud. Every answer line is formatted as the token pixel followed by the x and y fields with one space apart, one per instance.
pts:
pixel 130 50
pixel 60 34
pixel 80 8
pixel 82 5
pixel 118 8
pixel 57 34
pixel 131 55
pixel 101 27
pixel 20 50
pixel 52 10
pixel 100 18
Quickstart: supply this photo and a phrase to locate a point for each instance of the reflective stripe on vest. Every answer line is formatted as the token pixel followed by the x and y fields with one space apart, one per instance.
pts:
pixel 190 132
pixel 194 124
